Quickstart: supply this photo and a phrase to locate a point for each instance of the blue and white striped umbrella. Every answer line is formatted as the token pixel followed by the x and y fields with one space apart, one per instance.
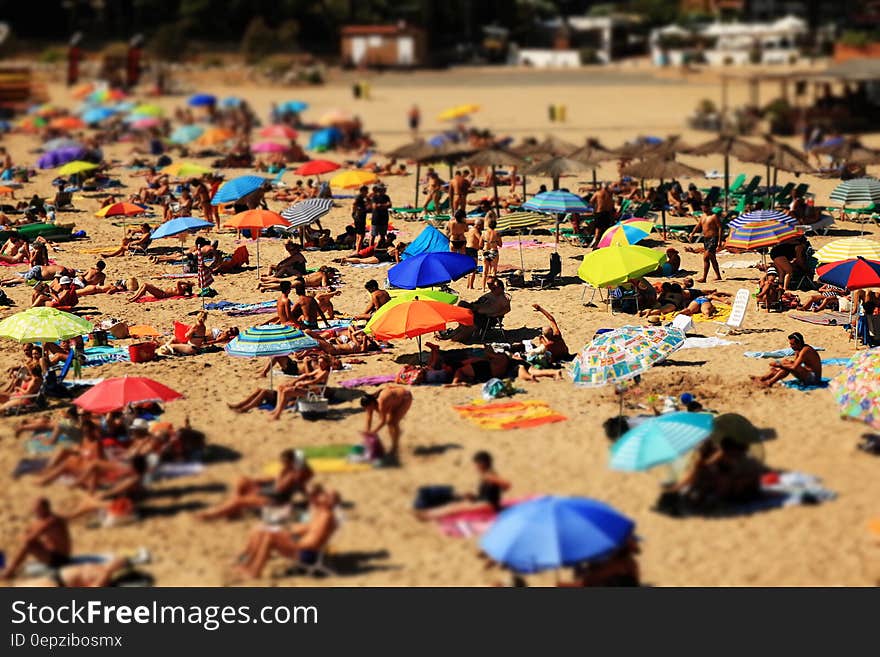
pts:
pixel 305 212
pixel 660 440
pixel 763 215
pixel 270 340
pixel 556 202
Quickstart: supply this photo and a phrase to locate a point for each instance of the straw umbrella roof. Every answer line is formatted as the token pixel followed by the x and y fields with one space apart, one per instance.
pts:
pixel 780 156
pixel 551 146
pixel 448 152
pixel 592 153
pixel 558 166
pixel 851 151
pixel 662 168
pixel 724 145
pixel 668 148
pixel 494 157
pixel 415 150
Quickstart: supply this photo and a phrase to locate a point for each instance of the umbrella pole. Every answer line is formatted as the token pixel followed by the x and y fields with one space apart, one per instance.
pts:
pixel 524 188
pixel 768 186
pixel 522 262
pixel 418 176
pixel 558 227
pixel 258 254
pixel 595 183
pixel 419 340
pixel 620 411
pixel 555 183
pixel 495 187
pixel 663 212
pixel 726 181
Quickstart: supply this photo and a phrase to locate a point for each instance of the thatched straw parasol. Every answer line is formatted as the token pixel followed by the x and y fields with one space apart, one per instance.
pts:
pixel 493 157
pixel 725 145
pixel 660 169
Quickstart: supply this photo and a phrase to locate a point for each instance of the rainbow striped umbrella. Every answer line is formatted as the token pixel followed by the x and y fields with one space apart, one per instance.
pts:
pixel 760 235
pixel 763 215
pixel 856 391
pixel 627 233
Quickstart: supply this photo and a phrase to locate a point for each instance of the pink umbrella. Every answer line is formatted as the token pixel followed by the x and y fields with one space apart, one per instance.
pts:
pixel 146 123
pixel 268 147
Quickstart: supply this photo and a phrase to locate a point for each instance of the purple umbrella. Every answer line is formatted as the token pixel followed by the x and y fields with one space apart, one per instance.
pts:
pixel 60 156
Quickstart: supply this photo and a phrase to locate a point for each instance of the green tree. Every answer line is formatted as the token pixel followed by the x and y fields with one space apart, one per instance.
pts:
pixel 259 40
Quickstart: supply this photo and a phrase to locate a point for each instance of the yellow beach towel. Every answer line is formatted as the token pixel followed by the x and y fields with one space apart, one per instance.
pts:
pixel 722 314
pixel 322 465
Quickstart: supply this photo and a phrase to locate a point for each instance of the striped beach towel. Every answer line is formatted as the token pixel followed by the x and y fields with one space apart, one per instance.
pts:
pixel 501 416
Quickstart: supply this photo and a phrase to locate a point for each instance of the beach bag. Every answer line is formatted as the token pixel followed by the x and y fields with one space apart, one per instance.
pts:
pixel 313 406
pixel 495 388
pixel 373 448
pixel 430 497
pixel 5 300
pixel 411 375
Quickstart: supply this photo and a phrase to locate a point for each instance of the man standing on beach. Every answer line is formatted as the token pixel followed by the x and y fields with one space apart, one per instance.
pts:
pixel 603 204
pixel 203 200
pixel 414 118
pixel 710 225
pixel 459 187
pixel 359 216
pixel 381 204
pixel 806 366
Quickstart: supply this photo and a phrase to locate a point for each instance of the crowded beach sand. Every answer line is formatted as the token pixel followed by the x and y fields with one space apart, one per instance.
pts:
pixel 379 540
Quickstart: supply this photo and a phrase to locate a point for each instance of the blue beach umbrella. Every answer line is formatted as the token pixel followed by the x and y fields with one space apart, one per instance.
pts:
pixel 231 102
pixel 97 114
pixel 295 106
pixel 556 202
pixel 179 225
pixel 269 340
pixel 185 134
pixel 660 440
pixel 202 100
pixel 763 215
pixel 430 240
pixel 325 139
pixel 430 269
pixel 236 188
pixel 60 156
pixel 553 532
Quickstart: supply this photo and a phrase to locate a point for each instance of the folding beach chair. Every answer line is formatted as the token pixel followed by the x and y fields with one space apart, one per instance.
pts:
pixel 784 194
pixel 737 314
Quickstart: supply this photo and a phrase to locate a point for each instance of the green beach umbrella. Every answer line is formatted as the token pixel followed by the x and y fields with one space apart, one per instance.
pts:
pixel 43 325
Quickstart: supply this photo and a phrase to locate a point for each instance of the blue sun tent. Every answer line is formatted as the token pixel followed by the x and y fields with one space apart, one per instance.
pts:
pixel 430 240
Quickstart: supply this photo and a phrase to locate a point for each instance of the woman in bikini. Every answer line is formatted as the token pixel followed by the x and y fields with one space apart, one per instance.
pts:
pixel 181 289
pixel 491 244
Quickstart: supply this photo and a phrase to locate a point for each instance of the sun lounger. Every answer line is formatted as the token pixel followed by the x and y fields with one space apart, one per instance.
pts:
pixel 737 314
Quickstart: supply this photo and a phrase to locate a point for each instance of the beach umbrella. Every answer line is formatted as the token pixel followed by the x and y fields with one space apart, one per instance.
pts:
pixel 520 222
pixel 402 296
pixel 430 240
pixel 76 167
pixel 615 265
pixel 557 167
pixel 179 225
pixel 626 233
pixel 294 106
pixel 144 123
pixel 334 117
pixel 623 354
pixel 429 269
pixel 268 147
pixel 148 110
pixel 278 131
pixel 325 139
pixel 669 147
pixel 61 156
pixel 779 156
pixel 592 154
pixel 61 142
pixel 185 170
pixel 231 102
pixel 353 179
pixel 639 148
pixel 848 151
pixel 269 341
pixel 491 158
pixel 725 145
pixel 316 168
pixel 81 91
pixel 67 123
pixel 662 169
pixel 559 203
pixel 98 114
pixel 186 133
pixel 214 137
pixel 117 393
pixel 763 215
pixel 457 113
pixel 860 192
pixel 755 235
pixel 856 391
pixel 413 318
pixel 855 274
pixel 43 325
pixel 236 188
pixel 123 209
pixel 255 221
pixel 659 440
pixel 550 532
pixel 4 191
pixel 848 248
pixel 202 100
pixel 415 151
pixel 307 211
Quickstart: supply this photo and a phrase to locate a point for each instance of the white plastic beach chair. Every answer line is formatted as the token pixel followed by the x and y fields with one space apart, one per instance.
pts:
pixel 822 226
pixel 737 314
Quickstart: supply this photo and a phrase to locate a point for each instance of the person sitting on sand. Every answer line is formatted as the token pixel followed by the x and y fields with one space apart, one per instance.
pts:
pixel 390 404
pixel 378 298
pixel 770 291
pixel 254 494
pixel 806 366
pixel 304 542
pixel 180 289
pixel 294 263
pixel 287 392
pixel 827 298
pixel 64 297
pixel 490 490
pixel 47 539
pixel 551 338
pixel 14 251
pixel 137 239
pixel 306 309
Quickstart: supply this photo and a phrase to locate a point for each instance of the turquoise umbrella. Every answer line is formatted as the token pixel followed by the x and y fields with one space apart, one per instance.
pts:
pixel 660 440
pixel 185 134
pixel 269 340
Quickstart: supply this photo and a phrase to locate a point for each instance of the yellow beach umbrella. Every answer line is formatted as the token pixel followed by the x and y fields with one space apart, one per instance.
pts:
pixel 148 110
pixel 185 170
pixel 353 179
pixel 614 265
pixel 849 248
pixel 459 112
pixel 76 167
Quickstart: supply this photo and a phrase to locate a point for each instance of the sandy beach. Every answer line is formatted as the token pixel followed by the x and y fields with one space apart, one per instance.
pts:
pixel 380 542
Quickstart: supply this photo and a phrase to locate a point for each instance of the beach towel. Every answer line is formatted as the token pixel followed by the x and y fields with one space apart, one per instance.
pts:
pixel 797 384
pixel 501 416
pixel 28 466
pixel 177 276
pixel 323 465
pixel 174 470
pixel 739 264
pixel 328 451
pixel 835 362
pixel 376 380
pixel 722 314
pixel 21 264
pixel 473 522
pixel 526 244
pixel 376 265
pixel 154 299
pixel 828 318
pixel 95 356
pixel 242 309
pixel 706 343
pixel 778 353
pixel 37 444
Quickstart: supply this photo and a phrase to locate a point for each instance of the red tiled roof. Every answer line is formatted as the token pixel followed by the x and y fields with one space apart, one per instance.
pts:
pixel 369 30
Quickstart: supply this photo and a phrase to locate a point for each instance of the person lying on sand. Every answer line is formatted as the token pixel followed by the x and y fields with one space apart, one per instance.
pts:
pixel 702 302
pixel 376 254
pixel 826 298
pixel 349 343
pixel 304 542
pixel 253 494
pixel 181 289
pixel 806 366
pixel 287 391
pixel 47 539
pixel 490 489
pixel 324 277
pixel 87 575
